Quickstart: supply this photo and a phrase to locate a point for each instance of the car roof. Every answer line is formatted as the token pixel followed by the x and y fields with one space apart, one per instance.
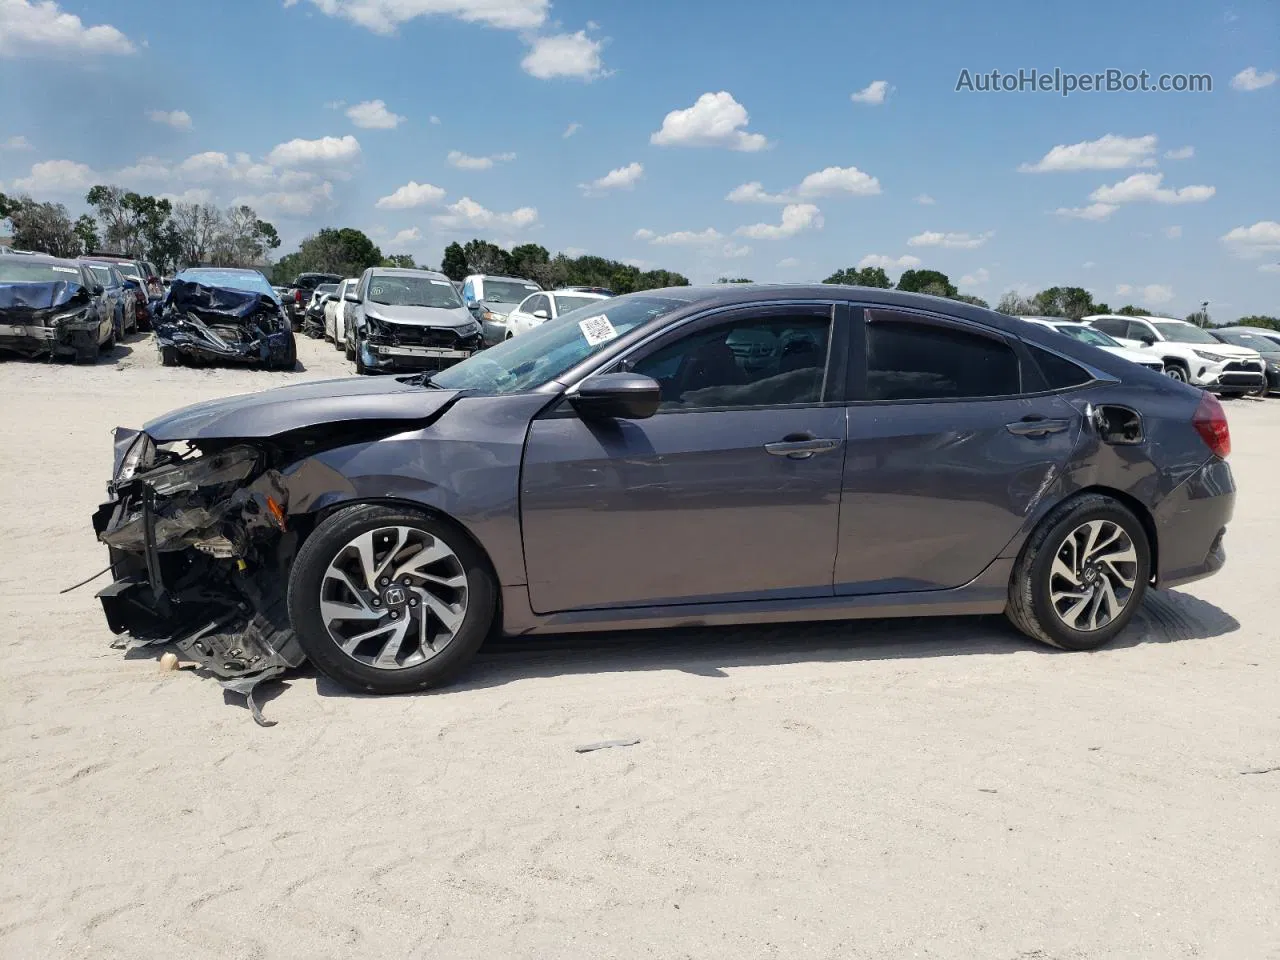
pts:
pixel 407 272
pixel 570 292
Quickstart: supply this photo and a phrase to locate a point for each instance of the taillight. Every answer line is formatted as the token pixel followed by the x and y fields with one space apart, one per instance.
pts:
pixel 297 296
pixel 1210 422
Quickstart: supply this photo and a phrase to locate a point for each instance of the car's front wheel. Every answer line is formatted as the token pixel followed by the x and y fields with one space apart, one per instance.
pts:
pixel 1082 575
pixel 1177 371
pixel 389 600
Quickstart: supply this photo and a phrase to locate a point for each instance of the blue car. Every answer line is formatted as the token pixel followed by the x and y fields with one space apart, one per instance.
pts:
pixel 221 314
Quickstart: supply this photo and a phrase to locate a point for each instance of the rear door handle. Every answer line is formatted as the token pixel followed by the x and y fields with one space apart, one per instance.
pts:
pixel 1037 427
pixel 800 446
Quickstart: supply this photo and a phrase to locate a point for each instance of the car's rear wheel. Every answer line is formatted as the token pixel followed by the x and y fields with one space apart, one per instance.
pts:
pixel 1082 575
pixel 387 600
pixel 170 357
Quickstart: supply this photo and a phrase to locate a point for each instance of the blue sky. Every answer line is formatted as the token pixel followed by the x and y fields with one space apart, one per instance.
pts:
pixel 623 128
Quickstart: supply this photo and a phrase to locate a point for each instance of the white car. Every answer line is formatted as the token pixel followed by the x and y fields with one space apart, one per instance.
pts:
pixel 538 308
pixel 335 313
pixel 1188 353
pixel 1096 338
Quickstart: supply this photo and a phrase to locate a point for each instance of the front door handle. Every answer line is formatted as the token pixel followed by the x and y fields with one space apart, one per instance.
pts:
pixel 1037 427
pixel 800 446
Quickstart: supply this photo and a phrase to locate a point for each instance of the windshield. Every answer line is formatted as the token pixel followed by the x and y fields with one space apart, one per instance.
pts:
pixel 249 280
pixel 508 291
pixel 534 358
pixel 407 290
pixel 573 303
pixel 1078 331
pixel 327 288
pixel 1251 340
pixel 104 275
pixel 1180 332
pixel 21 270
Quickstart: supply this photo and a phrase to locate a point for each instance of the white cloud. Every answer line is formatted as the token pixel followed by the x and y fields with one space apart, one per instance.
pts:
pixel 754 192
pixel 574 251
pixel 1261 239
pixel 325 150
pixel 904 262
pixel 681 238
pixel 16 143
pixel 1152 293
pixel 35 27
pixel 178 119
pixel 1269 268
pixel 925 200
pixel 874 92
pixel 954 241
pixel 975 279
pixel 1251 79
pixel 146 170
pixel 290 203
pixel 1145 187
pixel 1094 211
pixel 406 237
pixel 1181 153
pixel 788 263
pixel 374 115
pixel 1106 153
pixel 623 178
pixel 465 161
pixel 734 250
pixel 796 217
pixel 412 194
pixel 570 130
pixel 215 165
pixel 58 176
pixel 467 213
pixel 1174 232
pixel 434 120
pixel 564 55
pixel 824 183
pixel 715 120
pixel 384 16
pixel 195 195
pixel 1088 265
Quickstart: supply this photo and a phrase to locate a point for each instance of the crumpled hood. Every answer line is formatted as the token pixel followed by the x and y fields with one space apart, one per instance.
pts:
pixel 283 409
pixel 421 316
pixel 28 298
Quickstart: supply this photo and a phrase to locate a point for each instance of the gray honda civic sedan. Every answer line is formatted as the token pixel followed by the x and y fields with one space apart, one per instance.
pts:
pixel 693 455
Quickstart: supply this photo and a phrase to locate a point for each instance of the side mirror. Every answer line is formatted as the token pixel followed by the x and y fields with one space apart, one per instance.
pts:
pixel 624 396
pixel 541 314
pixel 97 289
pixel 351 298
pixel 1148 340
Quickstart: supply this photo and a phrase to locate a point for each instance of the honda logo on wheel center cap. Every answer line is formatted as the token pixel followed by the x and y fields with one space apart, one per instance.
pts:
pixel 393 596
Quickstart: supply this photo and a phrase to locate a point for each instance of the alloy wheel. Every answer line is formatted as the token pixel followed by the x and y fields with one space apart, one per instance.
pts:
pixel 1175 372
pixel 394 597
pixel 1093 575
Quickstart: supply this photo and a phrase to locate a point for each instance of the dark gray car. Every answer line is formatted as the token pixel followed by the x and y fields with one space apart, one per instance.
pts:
pixel 729 454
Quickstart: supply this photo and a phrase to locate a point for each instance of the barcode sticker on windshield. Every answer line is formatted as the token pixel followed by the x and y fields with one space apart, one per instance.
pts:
pixel 597 329
pixel 65 270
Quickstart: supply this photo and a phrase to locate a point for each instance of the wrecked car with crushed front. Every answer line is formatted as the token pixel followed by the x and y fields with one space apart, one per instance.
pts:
pixel 53 307
pixel 694 456
pixel 224 315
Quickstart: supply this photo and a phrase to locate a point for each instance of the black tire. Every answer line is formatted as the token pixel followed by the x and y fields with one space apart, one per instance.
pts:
pixel 290 358
pixel 359 359
pixel 307 574
pixel 1177 370
pixel 170 357
pixel 1030 608
pixel 109 344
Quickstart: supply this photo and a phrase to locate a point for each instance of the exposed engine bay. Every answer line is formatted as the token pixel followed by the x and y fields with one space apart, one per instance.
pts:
pixel 222 323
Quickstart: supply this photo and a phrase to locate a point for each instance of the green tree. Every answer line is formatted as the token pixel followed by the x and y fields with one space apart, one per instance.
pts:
pixel 401 261
pixel 86 229
pixel 1129 310
pixel 454 264
pixel 735 280
pixel 485 257
pixel 133 224
pixel 933 282
pixel 6 204
pixel 43 228
pixel 970 298
pixel 1260 320
pixel 866 277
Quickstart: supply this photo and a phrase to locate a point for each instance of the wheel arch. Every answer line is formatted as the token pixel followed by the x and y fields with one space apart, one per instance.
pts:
pixel 1134 506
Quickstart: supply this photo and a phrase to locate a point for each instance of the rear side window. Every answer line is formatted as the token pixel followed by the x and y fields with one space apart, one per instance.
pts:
pixel 911 360
pixel 1116 328
pixel 1059 372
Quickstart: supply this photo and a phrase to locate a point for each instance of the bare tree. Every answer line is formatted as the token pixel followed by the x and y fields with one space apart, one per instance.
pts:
pixel 198 227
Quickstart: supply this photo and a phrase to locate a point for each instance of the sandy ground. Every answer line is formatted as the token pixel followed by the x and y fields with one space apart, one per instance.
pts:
pixel 883 789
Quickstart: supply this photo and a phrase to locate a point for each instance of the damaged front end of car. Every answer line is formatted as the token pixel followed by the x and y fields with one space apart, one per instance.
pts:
pixel 200 550
pixel 48 319
pixel 224 324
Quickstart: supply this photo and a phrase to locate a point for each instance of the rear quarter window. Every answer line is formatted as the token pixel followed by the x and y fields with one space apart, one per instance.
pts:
pixel 1059 372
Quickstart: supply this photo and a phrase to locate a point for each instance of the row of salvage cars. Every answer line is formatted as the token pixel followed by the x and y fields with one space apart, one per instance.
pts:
pixel 1231 361
pixel 77 309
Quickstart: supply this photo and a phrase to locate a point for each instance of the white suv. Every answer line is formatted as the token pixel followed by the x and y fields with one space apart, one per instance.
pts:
pixel 1189 353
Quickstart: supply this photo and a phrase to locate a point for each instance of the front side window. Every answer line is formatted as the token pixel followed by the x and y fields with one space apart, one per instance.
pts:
pixel 468 291
pixel 752 362
pixel 911 360
pixel 103 276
